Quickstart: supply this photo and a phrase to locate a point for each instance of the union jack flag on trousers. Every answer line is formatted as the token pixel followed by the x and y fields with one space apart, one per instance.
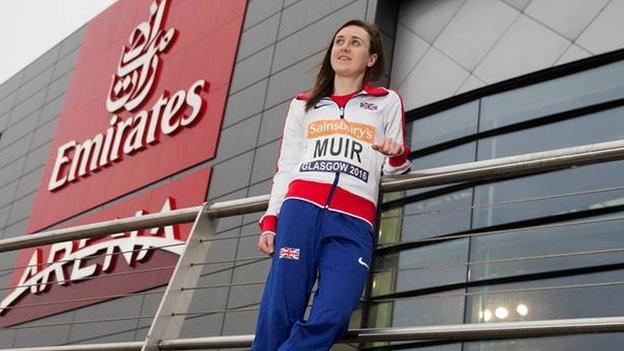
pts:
pixel 289 253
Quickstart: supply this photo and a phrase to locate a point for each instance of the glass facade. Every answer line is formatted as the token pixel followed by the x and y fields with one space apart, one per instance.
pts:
pixel 537 247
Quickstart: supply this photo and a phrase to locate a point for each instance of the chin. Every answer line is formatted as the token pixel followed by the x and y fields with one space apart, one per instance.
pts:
pixel 345 72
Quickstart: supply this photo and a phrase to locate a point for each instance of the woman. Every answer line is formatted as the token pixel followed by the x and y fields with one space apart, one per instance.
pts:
pixel 337 140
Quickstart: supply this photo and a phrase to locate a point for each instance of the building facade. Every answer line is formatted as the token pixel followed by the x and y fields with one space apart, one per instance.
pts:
pixel 480 79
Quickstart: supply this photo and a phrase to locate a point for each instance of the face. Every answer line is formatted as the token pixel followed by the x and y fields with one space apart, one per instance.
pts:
pixel 350 52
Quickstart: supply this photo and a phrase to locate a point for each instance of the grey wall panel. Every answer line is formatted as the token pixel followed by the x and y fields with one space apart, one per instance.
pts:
pixel 15 150
pixel 11 84
pixel 29 183
pixel 315 37
pixel 6 103
pixel 58 87
pixel 71 43
pixel 259 10
pixel 237 139
pixel 206 302
pixel 20 209
pixel 43 135
pixel 7 337
pixel 11 171
pixel 266 159
pixel 149 306
pixel 489 41
pixel 257 189
pixel 230 175
pixel 109 338
pixel 288 83
pixel 35 84
pixel 288 3
pixel 36 157
pixel 237 323
pixel 7 192
pixel 41 64
pixel 15 229
pixel 20 128
pixel 4 214
pixel 65 64
pixel 247 245
pixel 205 325
pixel 4 120
pixel 252 69
pixel 304 13
pixel 28 106
pixel 51 109
pixel 385 15
pixel 118 308
pixel 245 103
pixel 228 223
pixel 258 37
pixel 273 123
pixel 53 335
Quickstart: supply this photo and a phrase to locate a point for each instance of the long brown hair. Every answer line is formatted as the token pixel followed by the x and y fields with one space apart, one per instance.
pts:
pixel 324 84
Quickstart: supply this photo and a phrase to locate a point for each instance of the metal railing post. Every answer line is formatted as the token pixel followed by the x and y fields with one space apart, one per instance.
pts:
pixel 167 322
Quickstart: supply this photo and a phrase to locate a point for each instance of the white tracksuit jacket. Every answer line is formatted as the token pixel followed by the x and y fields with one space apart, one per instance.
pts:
pixel 326 156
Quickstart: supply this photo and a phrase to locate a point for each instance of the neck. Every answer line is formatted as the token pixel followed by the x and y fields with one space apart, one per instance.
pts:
pixel 347 85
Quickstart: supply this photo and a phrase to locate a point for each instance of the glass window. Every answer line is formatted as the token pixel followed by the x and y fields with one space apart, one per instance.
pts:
pixel 440 215
pixel 460 154
pixel 422 267
pixel 517 199
pixel 429 311
pixel 444 126
pixel 597 127
pixel 565 239
pixel 567 191
pixel 583 342
pixel 582 89
pixel 563 303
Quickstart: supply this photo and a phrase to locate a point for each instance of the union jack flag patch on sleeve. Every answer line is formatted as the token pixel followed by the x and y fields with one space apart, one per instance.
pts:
pixel 289 253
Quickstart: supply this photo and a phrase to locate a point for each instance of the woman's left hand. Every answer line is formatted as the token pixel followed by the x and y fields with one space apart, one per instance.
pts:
pixel 388 147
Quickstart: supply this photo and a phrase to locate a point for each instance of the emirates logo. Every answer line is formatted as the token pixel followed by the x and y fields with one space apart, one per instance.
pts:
pixel 139 62
pixel 129 87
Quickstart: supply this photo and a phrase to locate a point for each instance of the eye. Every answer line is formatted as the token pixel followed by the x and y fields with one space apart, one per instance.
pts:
pixel 338 41
pixel 356 43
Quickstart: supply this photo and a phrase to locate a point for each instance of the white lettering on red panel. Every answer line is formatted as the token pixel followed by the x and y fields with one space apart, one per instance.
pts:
pixel 136 72
pixel 133 247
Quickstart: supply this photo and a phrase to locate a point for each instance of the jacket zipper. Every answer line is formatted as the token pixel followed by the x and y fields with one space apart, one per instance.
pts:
pixel 337 176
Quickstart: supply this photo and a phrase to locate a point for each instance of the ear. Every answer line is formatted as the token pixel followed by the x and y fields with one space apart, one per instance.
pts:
pixel 371 60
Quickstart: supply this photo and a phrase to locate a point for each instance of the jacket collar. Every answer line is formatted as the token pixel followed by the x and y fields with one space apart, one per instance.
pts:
pixel 368 89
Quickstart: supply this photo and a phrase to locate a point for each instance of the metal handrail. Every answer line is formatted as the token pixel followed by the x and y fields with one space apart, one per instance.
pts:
pixel 453 332
pixel 482 170
pixel 489 169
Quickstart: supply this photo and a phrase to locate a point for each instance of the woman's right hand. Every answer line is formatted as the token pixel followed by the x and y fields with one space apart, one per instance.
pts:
pixel 266 243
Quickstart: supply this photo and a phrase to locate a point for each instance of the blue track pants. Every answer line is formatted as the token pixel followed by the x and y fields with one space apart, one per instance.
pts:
pixel 311 242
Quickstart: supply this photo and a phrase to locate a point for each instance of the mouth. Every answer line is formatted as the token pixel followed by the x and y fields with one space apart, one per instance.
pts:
pixel 344 58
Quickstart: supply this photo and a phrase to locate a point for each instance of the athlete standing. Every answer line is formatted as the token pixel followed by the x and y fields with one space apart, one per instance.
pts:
pixel 338 139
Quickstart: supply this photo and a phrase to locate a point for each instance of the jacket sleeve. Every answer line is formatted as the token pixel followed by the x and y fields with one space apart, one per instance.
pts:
pixel 395 129
pixel 290 150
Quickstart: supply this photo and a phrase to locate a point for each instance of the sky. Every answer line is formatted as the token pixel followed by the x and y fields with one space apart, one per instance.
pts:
pixel 29 28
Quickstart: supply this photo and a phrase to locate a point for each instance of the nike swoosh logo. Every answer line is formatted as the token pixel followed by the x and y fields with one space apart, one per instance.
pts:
pixel 361 261
pixel 321 105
